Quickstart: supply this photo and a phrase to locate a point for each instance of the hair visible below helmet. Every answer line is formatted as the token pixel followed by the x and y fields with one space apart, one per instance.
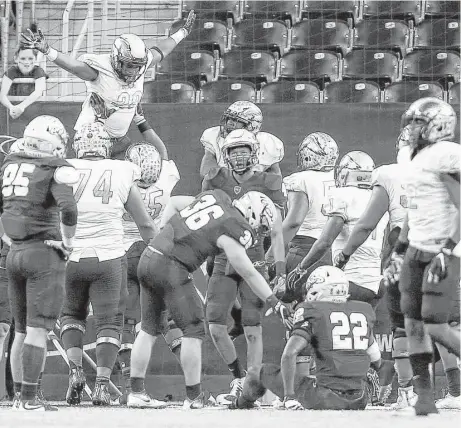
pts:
pixel 327 283
pixel 429 120
pixel 45 136
pixel 244 112
pixel 354 169
pixel 92 140
pixel 258 210
pixel 318 152
pixel 240 138
pixel 148 159
pixel 130 49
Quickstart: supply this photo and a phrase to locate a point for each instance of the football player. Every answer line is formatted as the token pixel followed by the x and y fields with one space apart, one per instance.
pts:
pixel 423 259
pixel 114 81
pixel 39 212
pixel 195 228
pixel 96 271
pixel 340 332
pixel 239 150
pixel 344 206
pixel 241 115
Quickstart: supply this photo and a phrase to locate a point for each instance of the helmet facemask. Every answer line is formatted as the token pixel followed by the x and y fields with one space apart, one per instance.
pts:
pixel 127 67
pixel 354 169
pixel 240 158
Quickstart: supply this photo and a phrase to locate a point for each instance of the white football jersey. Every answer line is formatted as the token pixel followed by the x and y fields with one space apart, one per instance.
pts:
pixel 155 198
pixel 101 194
pixel 392 179
pixel 431 212
pixel 364 266
pixel 316 185
pixel 270 148
pixel 118 95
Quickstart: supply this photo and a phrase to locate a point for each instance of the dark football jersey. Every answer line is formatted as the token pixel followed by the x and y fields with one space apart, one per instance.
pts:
pixel 190 236
pixel 340 334
pixel 29 209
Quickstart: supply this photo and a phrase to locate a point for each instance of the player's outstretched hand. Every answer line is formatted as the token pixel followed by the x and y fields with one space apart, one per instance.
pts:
pixel 278 285
pixel 438 269
pixel 63 251
pixel 392 272
pixel 285 312
pixel 35 41
pixel 189 22
pixel 341 260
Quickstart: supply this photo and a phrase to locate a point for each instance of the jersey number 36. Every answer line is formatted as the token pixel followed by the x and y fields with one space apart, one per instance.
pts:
pixel 200 212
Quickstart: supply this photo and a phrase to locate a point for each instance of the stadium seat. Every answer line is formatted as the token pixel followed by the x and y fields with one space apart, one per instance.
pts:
pixel 331 9
pixel 164 91
pixel 206 34
pixel 432 65
pixel 272 10
pixel 393 9
pixel 227 91
pixel 407 92
pixel 246 64
pixel 438 33
pixel 383 34
pixel 220 10
pixel 310 65
pixel 371 64
pixel 260 34
pixel 322 34
pixel 351 91
pixel 442 8
pixel 454 94
pixel 290 92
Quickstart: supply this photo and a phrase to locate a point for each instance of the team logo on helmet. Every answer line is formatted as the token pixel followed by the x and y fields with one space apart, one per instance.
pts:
pixel 354 169
pixel 241 114
pixel 327 283
pixel 318 152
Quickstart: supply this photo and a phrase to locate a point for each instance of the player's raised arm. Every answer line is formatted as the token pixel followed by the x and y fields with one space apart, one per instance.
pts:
pixel 208 162
pixel 78 68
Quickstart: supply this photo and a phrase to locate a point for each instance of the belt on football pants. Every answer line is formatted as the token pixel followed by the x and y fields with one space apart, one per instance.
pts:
pixel 155 250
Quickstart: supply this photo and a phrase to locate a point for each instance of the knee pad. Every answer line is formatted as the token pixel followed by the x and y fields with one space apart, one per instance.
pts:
pixel 216 314
pixel 195 329
pixel 69 323
pixel 108 336
pixel 400 347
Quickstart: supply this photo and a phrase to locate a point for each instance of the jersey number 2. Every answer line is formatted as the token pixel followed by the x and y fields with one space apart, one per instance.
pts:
pixel 101 188
pixel 14 181
pixel 349 332
pixel 200 212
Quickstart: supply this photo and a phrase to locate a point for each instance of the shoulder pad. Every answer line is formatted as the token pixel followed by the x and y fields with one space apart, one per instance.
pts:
pixel 271 148
pixel 66 175
pixel 335 205
pixel 209 139
pixel 99 62
pixel 213 173
pixel 380 175
pixel 447 157
pixel 171 169
pixel 294 183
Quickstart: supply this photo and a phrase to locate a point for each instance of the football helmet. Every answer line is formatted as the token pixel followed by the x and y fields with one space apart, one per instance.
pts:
pixel 17 146
pixel 92 140
pixel 258 210
pixel 429 120
pixel 149 161
pixel 244 112
pixel 129 57
pixel 240 163
pixel 327 283
pixel 317 152
pixel 354 169
pixel 45 136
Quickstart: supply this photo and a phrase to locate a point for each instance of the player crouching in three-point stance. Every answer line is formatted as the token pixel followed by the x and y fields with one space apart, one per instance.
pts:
pixel 39 212
pixel 195 228
pixel 340 335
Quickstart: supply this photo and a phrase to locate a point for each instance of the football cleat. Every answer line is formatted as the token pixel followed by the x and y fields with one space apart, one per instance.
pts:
pixel 76 385
pixel 16 400
pixel 101 394
pixel 292 404
pixel 449 402
pixel 425 405
pixel 34 406
pixel 40 398
pixel 142 400
pixel 406 398
pixel 373 386
pixel 235 392
pixel 198 403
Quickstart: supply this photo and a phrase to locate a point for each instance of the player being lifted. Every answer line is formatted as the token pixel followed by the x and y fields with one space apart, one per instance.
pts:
pixel 96 271
pixel 239 150
pixel 114 81
pixel 429 276
pixel 38 209
pixel 195 228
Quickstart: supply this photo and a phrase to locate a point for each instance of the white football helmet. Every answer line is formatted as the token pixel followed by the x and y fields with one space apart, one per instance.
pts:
pixel 92 140
pixel 244 112
pixel 317 152
pixel 354 169
pixel 240 138
pixel 45 136
pixel 149 161
pixel 327 283
pixel 129 57
pixel 258 210
pixel 17 146
pixel 429 120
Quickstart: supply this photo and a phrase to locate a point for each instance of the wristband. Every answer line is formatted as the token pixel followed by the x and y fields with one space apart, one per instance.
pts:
pixel 181 34
pixel 272 301
pixel 144 126
pixel 280 268
pixel 52 54
pixel 401 247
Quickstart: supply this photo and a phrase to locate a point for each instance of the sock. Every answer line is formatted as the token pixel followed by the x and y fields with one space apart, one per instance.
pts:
pixel 137 384
pixel 28 391
pixel 17 387
pixel 102 379
pixel 421 375
pixel 236 314
pixel 106 354
pixel 193 391
pixel 39 383
pixel 236 369
pixel 72 338
pixel 75 356
pixel 453 381
pixel 32 360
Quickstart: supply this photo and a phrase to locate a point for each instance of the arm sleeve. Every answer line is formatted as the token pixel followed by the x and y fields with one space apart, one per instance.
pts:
pixel 64 197
pixel 448 161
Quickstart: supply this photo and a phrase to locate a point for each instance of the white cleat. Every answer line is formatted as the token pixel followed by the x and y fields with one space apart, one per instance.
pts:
pixel 449 402
pixel 235 392
pixel 292 404
pixel 33 406
pixel 197 403
pixel 407 398
pixel 142 400
pixel 277 404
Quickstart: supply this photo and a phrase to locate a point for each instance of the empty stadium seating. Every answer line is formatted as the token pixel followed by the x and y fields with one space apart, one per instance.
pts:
pixel 393 9
pixel 290 92
pixel 227 91
pixel 164 91
pixel 331 9
pixel 407 92
pixel 442 8
pixel 260 34
pixel 284 10
pixel 432 65
pixel 438 33
pixel 454 94
pixel 221 10
pixel 352 91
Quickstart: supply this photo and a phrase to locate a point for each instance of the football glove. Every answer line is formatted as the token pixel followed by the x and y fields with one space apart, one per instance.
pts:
pixel 99 106
pixel 438 269
pixel 278 285
pixel 189 22
pixel 35 41
pixel 283 310
pixel 294 277
pixel 392 272
pixel 139 115
pixel 341 260
pixel 63 251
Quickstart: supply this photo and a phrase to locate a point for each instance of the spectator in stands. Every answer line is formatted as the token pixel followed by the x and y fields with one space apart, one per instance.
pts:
pixel 25 68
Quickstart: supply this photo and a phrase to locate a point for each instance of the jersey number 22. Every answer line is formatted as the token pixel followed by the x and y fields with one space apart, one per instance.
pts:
pixel 349 332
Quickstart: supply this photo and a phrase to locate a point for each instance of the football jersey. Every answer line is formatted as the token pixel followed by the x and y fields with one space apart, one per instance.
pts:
pixel 120 97
pixel 29 210
pixel 270 148
pixel 392 179
pixel 190 236
pixel 340 334
pixel 431 212
pixel 316 185
pixel 364 266
pixel 101 194
pixel 155 199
